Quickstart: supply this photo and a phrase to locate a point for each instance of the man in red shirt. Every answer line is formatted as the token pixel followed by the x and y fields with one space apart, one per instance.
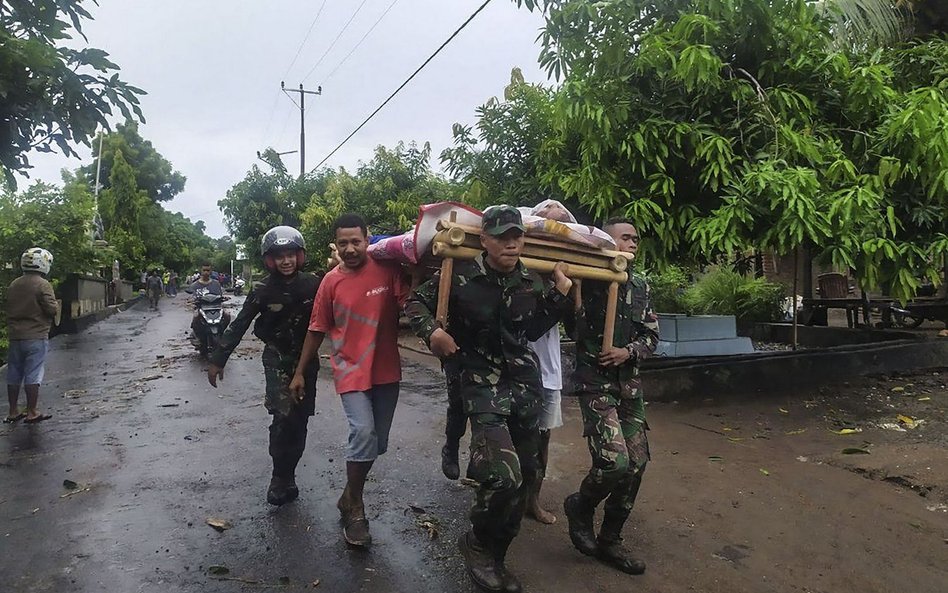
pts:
pixel 358 304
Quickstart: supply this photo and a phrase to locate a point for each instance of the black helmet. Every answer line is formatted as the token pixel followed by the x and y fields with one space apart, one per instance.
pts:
pixel 282 237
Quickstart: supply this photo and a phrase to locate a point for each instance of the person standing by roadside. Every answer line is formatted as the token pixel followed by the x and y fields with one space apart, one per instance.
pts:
pixel 153 288
pixel 281 303
pixel 610 398
pixel 357 305
pixel 31 312
pixel 496 305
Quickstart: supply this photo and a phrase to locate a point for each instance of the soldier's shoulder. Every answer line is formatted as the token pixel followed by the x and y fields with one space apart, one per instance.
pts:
pixel 639 280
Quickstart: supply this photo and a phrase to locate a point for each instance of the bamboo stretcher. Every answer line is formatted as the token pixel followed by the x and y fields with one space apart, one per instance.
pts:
pixel 456 241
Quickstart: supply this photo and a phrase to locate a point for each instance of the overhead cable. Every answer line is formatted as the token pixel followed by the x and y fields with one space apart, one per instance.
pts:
pixel 331 45
pixel 404 84
pixel 367 33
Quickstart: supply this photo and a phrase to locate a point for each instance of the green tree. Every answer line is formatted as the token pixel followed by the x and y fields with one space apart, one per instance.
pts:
pixel 264 199
pixel 725 125
pixel 53 96
pixel 153 173
pixel 121 207
pixel 501 160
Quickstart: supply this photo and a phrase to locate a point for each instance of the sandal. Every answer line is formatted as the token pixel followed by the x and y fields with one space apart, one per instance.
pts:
pixel 356 531
pixel 13 419
pixel 39 418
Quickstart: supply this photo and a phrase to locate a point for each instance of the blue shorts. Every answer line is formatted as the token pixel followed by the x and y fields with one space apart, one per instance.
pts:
pixel 26 361
pixel 370 416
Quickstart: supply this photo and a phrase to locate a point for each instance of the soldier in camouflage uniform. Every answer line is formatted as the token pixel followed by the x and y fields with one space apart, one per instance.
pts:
pixel 281 303
pixel 610 398
pixel 496 305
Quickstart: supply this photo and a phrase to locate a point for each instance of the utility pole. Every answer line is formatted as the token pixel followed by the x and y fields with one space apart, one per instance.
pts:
pixel 302 106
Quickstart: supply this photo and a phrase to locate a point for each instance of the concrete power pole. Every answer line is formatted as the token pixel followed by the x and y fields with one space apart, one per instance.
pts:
pixel 302 107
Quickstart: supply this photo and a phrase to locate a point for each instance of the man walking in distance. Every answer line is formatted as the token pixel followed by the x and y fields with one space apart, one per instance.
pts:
pixel 31 311
pixel 610 398
pixel 496 306
pixel 358 305
pixel 282 303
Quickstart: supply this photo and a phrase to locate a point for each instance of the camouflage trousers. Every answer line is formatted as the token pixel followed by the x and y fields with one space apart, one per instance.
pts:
pixel 614 428
pixel 288 426
pixel 504 464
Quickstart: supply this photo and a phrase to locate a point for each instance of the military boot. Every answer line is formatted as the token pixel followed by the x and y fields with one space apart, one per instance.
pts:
pixel 579 512
pixel 450 466
pixel 511 582
pixel 481 565
pixel 610 548
pixel 282 490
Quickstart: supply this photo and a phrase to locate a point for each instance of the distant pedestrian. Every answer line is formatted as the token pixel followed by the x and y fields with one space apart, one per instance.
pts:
pixel 31 312
pixel 153 288
pixel 358 306
pixel 173 284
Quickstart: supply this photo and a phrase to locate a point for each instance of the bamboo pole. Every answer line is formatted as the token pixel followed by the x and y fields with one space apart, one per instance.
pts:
pixel 616 263
pixel 609 326
pixel 538 265
pixel 444 291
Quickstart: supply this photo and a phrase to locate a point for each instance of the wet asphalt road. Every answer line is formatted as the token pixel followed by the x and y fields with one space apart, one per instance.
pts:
pixel 743 494
pixel 156 451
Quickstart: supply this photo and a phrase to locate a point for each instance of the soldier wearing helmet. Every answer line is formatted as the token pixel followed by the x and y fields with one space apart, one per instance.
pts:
pixel 31 311
pixel 281 303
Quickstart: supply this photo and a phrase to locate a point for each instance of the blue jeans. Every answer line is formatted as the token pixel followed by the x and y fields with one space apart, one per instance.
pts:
pixel 370 416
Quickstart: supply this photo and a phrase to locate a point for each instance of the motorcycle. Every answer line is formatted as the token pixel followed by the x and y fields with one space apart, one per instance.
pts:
pixel 212 322
pixel 239 286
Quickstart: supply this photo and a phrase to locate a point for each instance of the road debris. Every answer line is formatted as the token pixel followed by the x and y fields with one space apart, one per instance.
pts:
pixel 219 524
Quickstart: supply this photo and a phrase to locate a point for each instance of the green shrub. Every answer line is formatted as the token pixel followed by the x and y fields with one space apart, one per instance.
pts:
pixel 668 287
pixel 725 292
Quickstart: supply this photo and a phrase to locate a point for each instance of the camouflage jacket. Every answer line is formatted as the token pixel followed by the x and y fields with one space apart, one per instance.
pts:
pixel 636 329
pixel 282 310
pixel 491 316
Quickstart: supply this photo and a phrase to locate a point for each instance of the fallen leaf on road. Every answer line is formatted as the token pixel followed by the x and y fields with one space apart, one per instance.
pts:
pixel 715 458
pixel 898 389
pixel 855 451
pixel 847 431
pixel 892 426
pixel 315 583
pixel 803 459
pixel 735 439
pixel 924 399
pixel 219 524
pixel 218 570
pixel 783 411
pixel 70 485
pixel 765 472
pixel 908 421
pixel 797 431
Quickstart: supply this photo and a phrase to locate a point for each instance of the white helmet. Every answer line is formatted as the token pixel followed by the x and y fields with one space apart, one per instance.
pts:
pixel 36 259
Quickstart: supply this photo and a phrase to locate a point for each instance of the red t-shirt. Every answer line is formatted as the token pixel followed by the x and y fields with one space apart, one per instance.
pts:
pixel 358 310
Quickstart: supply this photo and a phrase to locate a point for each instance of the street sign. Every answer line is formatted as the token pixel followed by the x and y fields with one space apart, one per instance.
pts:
pixel 241 253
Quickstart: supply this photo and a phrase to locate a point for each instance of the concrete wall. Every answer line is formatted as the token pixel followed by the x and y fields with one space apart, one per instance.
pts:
pixel 86 299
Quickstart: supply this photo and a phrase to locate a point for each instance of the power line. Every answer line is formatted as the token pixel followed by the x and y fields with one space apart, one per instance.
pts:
pixel 302 43
pixel 333 44
pixel 276 96
pixel 404 84
pixel 352 51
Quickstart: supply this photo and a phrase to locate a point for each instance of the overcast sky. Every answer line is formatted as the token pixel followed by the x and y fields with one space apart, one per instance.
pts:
pixel 212 70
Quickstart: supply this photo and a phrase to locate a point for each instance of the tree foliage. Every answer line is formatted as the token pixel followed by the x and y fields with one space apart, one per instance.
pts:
pixel 500 160
pixel 154 174
pixel 53 96
pixel 723 125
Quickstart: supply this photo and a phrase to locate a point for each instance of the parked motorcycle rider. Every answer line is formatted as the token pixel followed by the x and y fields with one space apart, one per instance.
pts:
pixel 282 303
pixel 205 285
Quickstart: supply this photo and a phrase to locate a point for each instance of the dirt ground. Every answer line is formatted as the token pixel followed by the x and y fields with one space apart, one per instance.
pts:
pixel 819 491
